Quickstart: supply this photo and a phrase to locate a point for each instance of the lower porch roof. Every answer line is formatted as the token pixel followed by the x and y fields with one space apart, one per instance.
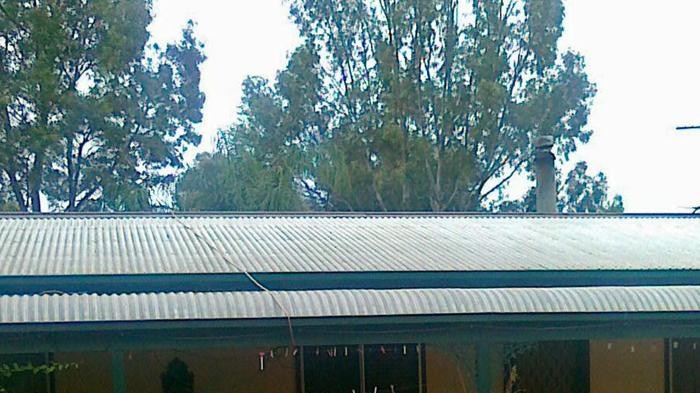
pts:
pixel 245 305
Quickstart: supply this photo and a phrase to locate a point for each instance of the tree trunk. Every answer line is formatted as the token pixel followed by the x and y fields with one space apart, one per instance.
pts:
pixel 36 201
pixel 69 165
pixel 17 191
pixel 35 180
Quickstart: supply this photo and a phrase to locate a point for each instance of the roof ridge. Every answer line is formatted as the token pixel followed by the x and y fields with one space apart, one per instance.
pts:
pixel 320 214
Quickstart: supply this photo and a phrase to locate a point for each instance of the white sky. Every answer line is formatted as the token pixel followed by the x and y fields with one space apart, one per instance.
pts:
pixel 642 54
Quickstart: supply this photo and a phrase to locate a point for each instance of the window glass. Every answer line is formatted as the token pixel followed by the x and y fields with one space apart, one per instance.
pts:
pixel 332 369
pixel 391 368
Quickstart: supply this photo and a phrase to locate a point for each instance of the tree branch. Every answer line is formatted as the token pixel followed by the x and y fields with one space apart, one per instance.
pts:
pixel 86 197
pixel 516 168
pixel 453 195
pixel 12 20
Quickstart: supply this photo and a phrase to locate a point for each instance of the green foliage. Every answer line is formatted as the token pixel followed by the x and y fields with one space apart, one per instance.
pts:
pixel 588 194
pixel 581 193
pixel 259 159
pixel 91 116
pixel 7 203
pixel 242 183
pixel 441 106
pixel 177 378
pixel 412 105
pixel 10 372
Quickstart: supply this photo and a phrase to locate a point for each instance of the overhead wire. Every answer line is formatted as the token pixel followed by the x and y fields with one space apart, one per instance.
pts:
pixel 242 269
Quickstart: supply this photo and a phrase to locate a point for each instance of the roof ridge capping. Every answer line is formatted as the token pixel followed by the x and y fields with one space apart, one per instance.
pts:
pixel 316 214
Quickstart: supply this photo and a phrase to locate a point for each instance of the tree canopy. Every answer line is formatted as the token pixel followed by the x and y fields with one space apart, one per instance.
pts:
pixel 92 116
pixel 405 105
pixel 579 193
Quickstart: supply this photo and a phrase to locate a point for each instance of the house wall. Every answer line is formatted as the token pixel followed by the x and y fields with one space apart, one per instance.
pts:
pixel 447 373
pixel 89 372
pixel 215 371
pixel 615 368
pixel 452 369
pixel 621 369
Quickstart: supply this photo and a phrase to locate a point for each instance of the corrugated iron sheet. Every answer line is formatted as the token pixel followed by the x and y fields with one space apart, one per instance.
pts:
pixel 142 244
pixel 344 303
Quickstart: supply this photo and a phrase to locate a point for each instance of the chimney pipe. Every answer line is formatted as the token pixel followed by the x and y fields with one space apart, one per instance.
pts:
pixel 546 184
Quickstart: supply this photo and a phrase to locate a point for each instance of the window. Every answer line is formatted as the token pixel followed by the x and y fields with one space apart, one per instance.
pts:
pixel 684 364
pixel 390 368
pixel 552 367
pixel 332 369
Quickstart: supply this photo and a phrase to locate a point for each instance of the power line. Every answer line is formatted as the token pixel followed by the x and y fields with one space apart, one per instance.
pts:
pixel 248 275
pixel 681 128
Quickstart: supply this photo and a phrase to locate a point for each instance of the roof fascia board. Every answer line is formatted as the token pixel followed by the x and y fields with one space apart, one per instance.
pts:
pixel 219 282
pixel 576 320
pixel 278 335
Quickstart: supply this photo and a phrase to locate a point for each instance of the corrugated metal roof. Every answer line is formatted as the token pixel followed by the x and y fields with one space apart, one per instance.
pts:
pixel 74 245
pixel 344 303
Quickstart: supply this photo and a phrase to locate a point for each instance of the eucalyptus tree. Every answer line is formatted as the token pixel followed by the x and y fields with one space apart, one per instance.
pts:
pixel 92 116
pixel 417 104
pixel 436 101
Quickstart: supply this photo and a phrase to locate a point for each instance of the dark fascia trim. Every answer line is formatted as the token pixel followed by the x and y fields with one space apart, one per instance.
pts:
pixel 224 282
pixel 516 320
pixel 339 331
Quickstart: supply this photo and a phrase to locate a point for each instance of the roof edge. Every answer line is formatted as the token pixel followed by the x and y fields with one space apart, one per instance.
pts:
pixel 305 214
pixel 359 280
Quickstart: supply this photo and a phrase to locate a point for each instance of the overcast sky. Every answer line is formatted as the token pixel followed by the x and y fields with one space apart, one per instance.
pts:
pixel 642 54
